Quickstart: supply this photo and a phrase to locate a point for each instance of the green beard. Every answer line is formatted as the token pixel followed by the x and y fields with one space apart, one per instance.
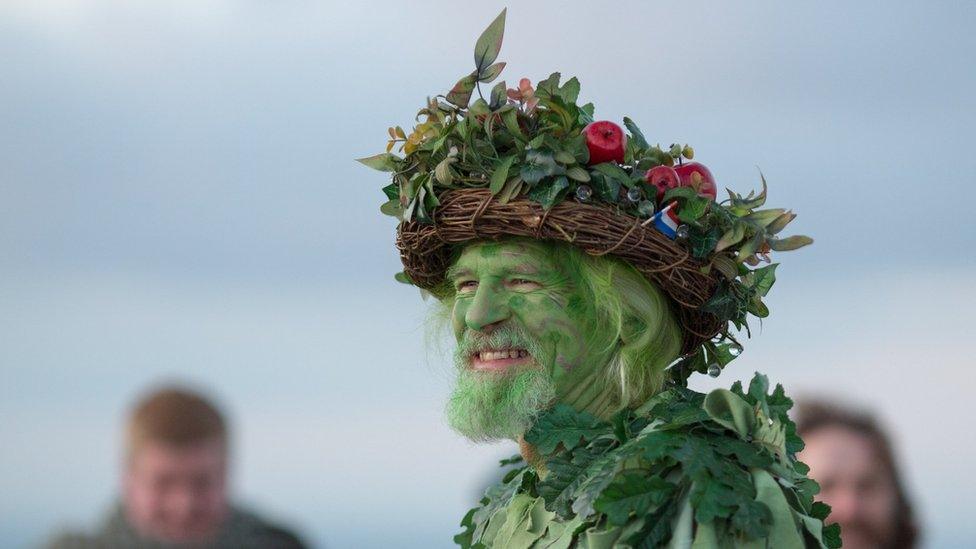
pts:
pixel 489 406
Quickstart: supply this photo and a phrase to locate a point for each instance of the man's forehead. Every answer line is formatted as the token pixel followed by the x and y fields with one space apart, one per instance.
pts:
pixel 522 257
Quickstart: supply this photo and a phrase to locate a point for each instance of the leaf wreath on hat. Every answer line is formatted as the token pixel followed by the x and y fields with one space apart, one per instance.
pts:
pixel 530 161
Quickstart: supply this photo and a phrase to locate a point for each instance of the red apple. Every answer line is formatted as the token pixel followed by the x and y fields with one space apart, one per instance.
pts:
pixel 662 178
pixel 606 142
pixel 697 176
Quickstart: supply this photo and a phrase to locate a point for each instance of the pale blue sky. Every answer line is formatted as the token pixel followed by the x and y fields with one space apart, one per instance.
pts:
pixel 178 199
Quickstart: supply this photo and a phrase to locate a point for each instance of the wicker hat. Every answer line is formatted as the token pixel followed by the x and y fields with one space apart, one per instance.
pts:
pixel 597 229
pixel 529 161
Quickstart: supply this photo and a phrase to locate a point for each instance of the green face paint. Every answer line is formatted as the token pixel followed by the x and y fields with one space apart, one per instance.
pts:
pixel 527 335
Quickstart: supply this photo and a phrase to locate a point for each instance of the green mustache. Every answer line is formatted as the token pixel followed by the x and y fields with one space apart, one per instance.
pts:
pixel 508 336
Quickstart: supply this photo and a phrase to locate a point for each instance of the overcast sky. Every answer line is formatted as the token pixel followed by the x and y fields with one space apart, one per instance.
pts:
pixel 179 200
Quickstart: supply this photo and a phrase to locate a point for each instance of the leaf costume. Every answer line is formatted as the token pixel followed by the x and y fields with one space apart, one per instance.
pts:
pixel 682 469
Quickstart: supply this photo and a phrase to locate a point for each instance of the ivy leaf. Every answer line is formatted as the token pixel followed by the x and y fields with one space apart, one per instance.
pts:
pixel 753 519
pixel 392 208
pixel 702 242
pixel 693 208
pixel 392 191
pixel 460 94
pixel 550 192
pixel 489 43
pixel 635 134
pixel 539 163
pixel 723 303
pixel 632 494
pixel 606 188
pixel 764 278
pixel 500 174
pixel 564 425
pixel 384 162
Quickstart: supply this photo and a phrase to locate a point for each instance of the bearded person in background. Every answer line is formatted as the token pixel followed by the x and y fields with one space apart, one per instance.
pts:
pixel 587 275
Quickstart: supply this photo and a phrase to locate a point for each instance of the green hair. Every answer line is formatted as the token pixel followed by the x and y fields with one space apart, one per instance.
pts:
pixel 628 313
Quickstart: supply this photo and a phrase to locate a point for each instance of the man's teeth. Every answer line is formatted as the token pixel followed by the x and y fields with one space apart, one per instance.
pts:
pixel 503 354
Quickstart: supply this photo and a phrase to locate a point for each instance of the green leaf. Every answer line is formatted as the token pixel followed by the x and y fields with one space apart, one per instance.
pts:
pixel 511 189
pixel 790 243
pixel 498 97
pixel 606 188
pixel 764 278
pixel 693 209
pixel 569 91
pixel 635 134
pixel 403 278
pixel 564 425
pixel 392 191
pixel 489 43
pixel 510 118
pixel 550 192
pixel 632 495
pixel 753 519
pixel 460 94
pixel 577 173
pixel 564 157
pixel 722 304
pixel 392 208
pixel 491 73
pixel 549 87
pixel 586 114
pixel 614 173
pixel 731 237
pixel 686 193
pixel 538 164
pixel 702 242
pixel 384 162
pixel 780 223
pixel 764 217
pixel 712 499
pixel 500 174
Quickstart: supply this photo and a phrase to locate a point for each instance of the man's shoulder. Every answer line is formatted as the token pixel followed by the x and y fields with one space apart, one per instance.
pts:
pixel 246 528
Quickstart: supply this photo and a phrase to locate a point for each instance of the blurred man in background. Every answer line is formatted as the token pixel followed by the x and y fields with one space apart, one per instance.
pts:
pixel 174 483
pixel 851 457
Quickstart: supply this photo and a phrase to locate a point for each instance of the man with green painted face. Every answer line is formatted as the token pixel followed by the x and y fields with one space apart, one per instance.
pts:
pixel 587 275
pixel 538 323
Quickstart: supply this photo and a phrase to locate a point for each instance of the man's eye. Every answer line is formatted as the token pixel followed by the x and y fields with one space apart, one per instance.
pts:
pixel 467 286
pixel 524 283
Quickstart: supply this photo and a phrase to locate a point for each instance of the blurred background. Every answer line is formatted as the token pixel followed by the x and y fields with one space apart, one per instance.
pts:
pixel 179 201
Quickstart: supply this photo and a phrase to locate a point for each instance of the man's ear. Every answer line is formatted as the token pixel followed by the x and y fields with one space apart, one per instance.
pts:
pixel 633 326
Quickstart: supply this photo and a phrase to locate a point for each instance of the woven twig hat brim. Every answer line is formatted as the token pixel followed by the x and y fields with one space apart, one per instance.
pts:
pixel 598 229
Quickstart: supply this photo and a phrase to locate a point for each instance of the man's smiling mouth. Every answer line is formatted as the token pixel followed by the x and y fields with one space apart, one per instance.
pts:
pixel 494 360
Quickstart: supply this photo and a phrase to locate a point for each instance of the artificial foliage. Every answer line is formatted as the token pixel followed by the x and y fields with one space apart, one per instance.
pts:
pixel 685 468
pixel 529 141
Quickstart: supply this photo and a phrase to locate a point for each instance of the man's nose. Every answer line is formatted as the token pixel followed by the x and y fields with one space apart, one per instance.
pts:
pixel 488 309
